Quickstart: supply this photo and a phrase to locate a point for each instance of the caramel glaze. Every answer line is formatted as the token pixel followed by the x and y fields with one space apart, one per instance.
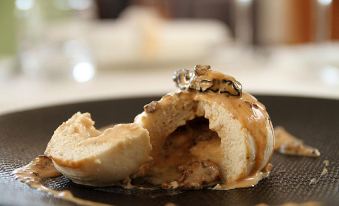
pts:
pixel 253 117
pixel 41 168
pixel 249 181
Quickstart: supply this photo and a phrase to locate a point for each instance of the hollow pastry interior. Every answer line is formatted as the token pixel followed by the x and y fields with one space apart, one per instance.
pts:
pixel 189 158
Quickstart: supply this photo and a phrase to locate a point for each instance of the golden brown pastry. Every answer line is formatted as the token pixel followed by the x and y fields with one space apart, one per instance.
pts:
pixel 233 133
pixel 90 157
pixel 208 134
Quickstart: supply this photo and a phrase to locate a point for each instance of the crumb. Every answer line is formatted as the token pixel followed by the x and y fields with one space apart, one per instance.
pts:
pixel 151 107
pixel 323 172
pixel 326 163
pixel 313 181
pixel 170 185
pixel 286 143
pixel 268 167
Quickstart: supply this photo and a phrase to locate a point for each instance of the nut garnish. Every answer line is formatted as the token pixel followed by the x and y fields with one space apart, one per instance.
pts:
pixel 204 79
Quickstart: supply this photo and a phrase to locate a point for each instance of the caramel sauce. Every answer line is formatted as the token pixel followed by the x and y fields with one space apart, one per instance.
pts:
pixel 41 168
pixel 253 117
pixel 249 181
pixel 286 143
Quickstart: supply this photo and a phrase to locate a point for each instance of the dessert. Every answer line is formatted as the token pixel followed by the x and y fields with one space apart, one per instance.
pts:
pixel 208 134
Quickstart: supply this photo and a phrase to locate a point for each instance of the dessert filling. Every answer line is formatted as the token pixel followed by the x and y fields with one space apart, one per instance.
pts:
pixel 189 158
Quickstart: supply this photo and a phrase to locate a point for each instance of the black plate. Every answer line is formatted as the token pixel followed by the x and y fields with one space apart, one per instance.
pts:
pixel 23 135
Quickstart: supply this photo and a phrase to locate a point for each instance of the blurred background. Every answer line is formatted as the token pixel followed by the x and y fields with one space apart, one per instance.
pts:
pixel 56 51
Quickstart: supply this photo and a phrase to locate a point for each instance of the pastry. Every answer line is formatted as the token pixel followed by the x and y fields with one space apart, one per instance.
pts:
pixel 208 134
pixel 230 131
pixel 90 157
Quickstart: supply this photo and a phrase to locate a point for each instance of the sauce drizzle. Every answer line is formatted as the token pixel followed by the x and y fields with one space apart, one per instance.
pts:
pixel 286 143
pixel 249 181
pixel 34 173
